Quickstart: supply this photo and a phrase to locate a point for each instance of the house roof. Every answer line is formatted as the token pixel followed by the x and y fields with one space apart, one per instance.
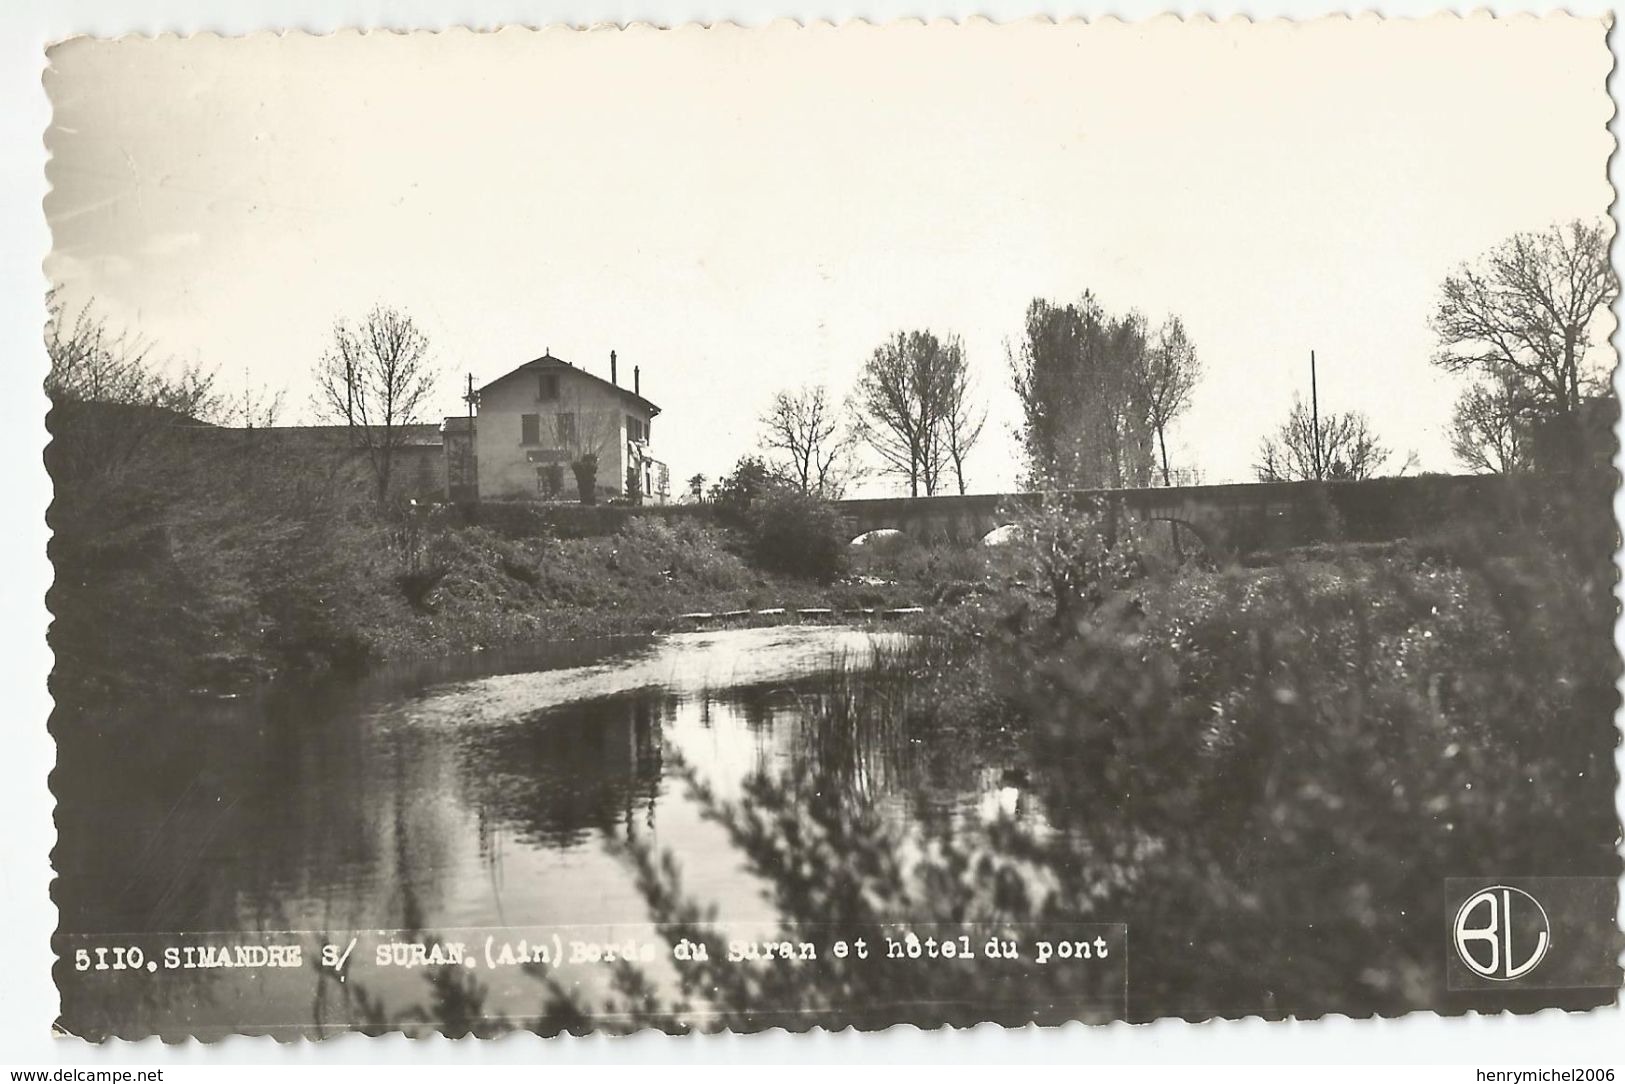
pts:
pixel 548 362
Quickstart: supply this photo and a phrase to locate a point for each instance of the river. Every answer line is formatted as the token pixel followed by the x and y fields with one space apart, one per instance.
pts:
pixel 487 792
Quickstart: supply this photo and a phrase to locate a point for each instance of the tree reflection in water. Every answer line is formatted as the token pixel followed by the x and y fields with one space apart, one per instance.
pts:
pixel 819 834
pixel 562 775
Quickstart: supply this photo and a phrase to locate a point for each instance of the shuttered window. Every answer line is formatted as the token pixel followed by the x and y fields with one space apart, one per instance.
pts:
pixel 530 428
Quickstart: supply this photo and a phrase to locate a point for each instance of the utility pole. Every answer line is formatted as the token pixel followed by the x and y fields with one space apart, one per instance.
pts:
pixel 469 398
pixel 1314 408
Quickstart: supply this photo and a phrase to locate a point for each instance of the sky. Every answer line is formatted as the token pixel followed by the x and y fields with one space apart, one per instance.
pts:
pixel 740 211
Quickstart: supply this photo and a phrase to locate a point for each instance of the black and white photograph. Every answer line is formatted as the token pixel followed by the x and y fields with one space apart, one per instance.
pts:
pixel 710 529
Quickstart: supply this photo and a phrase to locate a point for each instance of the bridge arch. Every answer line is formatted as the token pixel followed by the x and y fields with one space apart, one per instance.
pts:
pixel 879 538
pixel 1002 535
pixel 1207 536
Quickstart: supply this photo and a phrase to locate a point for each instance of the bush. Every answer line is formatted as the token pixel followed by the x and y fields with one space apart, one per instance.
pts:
pixel 798 534
pixel 938 566
pixel 735 496
pixel 1079 549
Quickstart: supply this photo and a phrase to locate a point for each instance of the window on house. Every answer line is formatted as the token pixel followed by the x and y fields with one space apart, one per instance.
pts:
pixel 567 431
pixel 548 389
pixel 635 429
pixel 530 429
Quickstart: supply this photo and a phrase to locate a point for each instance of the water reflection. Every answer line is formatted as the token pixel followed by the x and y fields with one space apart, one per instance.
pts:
pixel 563 775
pixel 444 798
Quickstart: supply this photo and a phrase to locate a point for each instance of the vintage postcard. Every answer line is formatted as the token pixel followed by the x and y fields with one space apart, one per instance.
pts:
pixel 734 528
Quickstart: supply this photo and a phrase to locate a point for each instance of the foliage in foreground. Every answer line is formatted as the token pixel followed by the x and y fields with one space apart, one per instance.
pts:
pixel 1267 774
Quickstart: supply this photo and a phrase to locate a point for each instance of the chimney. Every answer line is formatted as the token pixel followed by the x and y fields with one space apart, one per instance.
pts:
pixel 636 373
pixel 613 379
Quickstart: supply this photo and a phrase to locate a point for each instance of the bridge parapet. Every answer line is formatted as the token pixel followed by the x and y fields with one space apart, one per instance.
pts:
pixel 1238 517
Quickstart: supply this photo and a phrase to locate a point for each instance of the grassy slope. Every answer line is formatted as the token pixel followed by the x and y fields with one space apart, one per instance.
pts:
pixel 214 604
pixel 640 580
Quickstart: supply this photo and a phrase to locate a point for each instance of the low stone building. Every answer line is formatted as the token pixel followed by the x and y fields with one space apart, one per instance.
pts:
pixel 417 459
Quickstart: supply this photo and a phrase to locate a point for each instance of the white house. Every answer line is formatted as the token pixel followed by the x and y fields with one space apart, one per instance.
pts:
pixel 546 427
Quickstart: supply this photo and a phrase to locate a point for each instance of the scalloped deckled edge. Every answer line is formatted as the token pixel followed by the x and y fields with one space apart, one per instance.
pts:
pixel 852 25
pixel 1112 1031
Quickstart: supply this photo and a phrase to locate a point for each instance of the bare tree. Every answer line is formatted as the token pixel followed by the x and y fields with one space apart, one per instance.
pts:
pixel 1489 430
pixel 905 403
pixel 963 419
pixel 91 363
pixel 253 407
pixel 1348 450
pixel 1526 316
pixel 586 435
pixel 376 377
pixel 1167 374
pixel 113 398
pixel 810 441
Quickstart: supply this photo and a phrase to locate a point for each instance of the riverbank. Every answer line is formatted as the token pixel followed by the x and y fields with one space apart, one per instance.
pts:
pixel 218 609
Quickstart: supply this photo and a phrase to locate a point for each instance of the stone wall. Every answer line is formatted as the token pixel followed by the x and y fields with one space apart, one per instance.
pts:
pixel 1241 518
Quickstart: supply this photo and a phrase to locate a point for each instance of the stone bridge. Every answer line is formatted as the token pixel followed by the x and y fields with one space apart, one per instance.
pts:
pixel 1237 518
